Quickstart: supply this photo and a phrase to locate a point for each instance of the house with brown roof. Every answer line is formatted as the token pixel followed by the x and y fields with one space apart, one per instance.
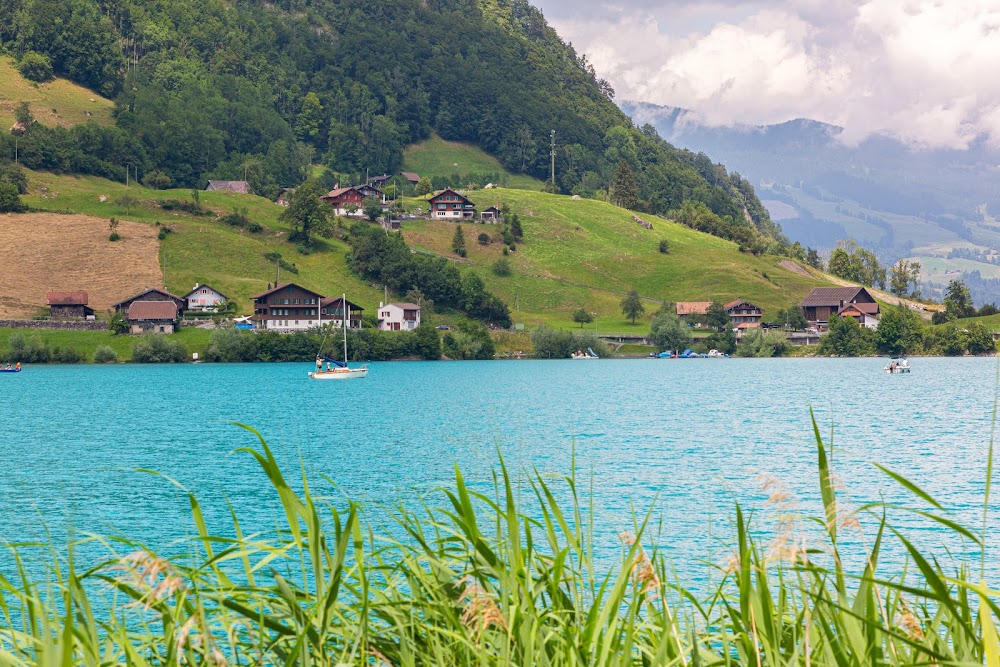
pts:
pixel 69 305
pixel 345 201
pixel 153 317
pixel 398 316
pixel 370 190
pixel 411 176
pixel 287 308
pixel 824 303
pixel 151 294
pixel 449 205
pixel 689 310
pixel 239 187
pixel 379 181
pixel 743 314
pixel 332 312
pixel 492 214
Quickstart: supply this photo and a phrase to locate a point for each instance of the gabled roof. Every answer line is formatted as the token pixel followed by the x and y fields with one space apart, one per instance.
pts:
pixel 282 286
pixel 404 306
pixel 866 308
pixel 339 192
pixel 733 304
pixel 692 307
pixel 379 179
pixel 335 301
pixel 147 291
pixel 411 176
pixel 192 292
pixel 153 310
pixel 447 191
pixel 241 187
pixel 832 296
pixel 69 298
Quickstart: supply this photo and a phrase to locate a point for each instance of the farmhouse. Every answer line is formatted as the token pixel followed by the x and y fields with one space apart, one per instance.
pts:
pixel 284 197
pixel 345 201
pixel 239 187
pixel 151 294
pixel 691 309
pixel 204 297
pixel 411 176
pixel 287 308
pixel 743 314
pixel 69 305
pixel 370 190
pixel 398 316
pixel 449 205
pixel 825 302
pixel 153 317
pixel 379 181
pixel 332 312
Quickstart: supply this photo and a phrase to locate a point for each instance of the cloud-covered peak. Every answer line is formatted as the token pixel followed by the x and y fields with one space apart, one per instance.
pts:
pixel 924 72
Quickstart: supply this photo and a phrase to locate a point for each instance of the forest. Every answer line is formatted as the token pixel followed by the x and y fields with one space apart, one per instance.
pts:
pixel 262 90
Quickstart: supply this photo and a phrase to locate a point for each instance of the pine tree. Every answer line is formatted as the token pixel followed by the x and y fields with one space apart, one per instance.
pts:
pixel 458 241
pixel 625 187
pixel 632 306
pixel 515 227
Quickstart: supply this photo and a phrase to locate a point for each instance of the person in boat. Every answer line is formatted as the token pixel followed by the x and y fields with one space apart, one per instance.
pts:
pixel 319 364
pixel 18 366
pixel 7 367
pixel 328 367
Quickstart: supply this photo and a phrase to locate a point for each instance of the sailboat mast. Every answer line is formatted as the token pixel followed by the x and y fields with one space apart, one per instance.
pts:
pixel 345 314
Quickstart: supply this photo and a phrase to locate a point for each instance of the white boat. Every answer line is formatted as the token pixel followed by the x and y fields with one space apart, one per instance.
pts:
pixel 897 365
pixel 338 370
pixel 589 354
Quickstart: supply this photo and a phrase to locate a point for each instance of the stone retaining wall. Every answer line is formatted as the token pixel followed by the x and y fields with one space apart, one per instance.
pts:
pixel 78 325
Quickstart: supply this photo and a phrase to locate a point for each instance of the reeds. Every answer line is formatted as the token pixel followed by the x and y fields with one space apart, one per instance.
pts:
pixel 483 579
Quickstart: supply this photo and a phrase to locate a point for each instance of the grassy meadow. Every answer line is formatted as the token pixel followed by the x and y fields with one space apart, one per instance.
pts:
pixel 86 342
pixel 508 576
pixel 438 157
pixel 55 103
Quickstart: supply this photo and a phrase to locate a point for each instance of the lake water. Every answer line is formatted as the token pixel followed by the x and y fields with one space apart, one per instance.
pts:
pixel 690 435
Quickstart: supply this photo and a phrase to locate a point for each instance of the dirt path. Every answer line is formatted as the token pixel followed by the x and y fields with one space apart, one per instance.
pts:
pixel 40 252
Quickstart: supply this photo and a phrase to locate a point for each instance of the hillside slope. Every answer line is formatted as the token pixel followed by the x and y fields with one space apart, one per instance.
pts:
pixel 57 103
pixel 577 253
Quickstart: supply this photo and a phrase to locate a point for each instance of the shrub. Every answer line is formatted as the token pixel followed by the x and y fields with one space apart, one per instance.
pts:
pixel 118 325
pixel 190 207
pixel 762 343
pixel 158 349
pixel 35 66
pixel 285 266
pixel 232 345
pixel 550 343
pixel 157 180
pixel 502 267
pixel 105 355
pixel 10 198
pixel 240 219
pixel 12 172
pixel 664 246
pixel 67 355
pixel 484 239
pixel 26 350
pixel 115 236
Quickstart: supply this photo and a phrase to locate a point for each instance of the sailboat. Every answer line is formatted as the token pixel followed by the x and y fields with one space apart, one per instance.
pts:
pixel 340 370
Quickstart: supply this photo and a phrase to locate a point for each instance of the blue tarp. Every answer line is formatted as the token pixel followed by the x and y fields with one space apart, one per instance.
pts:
pixel 336 362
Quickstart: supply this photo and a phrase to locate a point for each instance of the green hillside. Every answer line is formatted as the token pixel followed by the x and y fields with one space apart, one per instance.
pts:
pixel 55 103
pixel 436 157
pixel 577 253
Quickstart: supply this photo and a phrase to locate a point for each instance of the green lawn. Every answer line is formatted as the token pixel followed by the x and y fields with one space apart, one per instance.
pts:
pixel 86 342
pixel 54 103
pixel 437 157
pixel 587 254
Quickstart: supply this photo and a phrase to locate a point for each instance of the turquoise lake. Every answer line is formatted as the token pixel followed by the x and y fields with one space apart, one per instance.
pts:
pixel 693 436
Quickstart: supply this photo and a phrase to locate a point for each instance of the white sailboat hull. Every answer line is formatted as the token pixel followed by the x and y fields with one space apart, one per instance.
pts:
pixel 340 374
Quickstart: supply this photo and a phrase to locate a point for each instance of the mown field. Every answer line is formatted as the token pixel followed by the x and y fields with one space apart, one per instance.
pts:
pixel 54 103
pixel 437 157
pixel 588 254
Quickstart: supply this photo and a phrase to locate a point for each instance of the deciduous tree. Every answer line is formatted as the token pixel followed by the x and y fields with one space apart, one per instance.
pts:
pixel 632 306
pixel 307 214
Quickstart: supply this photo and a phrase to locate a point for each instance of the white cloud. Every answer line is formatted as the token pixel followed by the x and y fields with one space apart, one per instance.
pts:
pixel 922 70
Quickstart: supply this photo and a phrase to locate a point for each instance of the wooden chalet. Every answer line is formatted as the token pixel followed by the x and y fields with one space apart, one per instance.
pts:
pixel 370 190
pixel 151 294
pixel 449 205
pixel 345 201
pixel 743 314
pixel 411 176
pixel 379 181
pixel 823 303
pixel 153 317
pixel 287 307
pixel 492 214
pixel 69 305
pixel 332 312
pixel 239 187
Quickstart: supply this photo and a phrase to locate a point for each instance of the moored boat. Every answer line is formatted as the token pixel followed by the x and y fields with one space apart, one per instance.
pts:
pixel 336 369
pixel 897 365
pixel 589 354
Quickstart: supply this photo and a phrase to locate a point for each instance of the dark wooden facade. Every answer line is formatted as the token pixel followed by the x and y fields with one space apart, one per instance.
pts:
pixel 69 305
pixel 823 303
pixel 152 294
pixel 449 205
pixel 287 307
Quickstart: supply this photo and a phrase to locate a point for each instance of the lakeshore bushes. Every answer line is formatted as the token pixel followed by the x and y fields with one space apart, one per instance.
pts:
pixel 158 349
pixel 561 344
pixel 232 345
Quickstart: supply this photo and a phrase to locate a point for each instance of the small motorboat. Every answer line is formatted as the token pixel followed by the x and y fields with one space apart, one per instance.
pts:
pixel 589 354
pixel 897 365
pixel 16 369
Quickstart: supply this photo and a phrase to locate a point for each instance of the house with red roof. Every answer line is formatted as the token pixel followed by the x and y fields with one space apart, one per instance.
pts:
pixel 69 305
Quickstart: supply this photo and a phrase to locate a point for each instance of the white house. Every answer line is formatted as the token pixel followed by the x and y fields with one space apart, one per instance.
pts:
pixel 398 316
pixel 204 297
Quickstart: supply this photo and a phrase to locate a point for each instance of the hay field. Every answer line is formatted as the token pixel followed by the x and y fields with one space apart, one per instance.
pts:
pixel 49 251
pixel 57 102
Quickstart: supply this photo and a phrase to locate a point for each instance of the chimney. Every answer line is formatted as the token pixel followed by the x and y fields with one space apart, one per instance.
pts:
pixel 380 304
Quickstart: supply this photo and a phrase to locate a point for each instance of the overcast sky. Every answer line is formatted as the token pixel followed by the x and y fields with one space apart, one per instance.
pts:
pixel 927 72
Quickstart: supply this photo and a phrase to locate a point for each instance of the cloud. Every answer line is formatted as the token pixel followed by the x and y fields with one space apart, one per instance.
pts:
pixel 923 71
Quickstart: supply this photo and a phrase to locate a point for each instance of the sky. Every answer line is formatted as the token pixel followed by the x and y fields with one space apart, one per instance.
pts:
pixel 925 72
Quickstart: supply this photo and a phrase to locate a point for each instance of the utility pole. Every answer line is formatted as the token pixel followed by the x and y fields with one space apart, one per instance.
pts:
pixel 552 154
pixel 277 270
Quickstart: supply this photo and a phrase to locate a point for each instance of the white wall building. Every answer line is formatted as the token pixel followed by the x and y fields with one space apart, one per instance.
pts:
pixel 204 297
pixel 398 316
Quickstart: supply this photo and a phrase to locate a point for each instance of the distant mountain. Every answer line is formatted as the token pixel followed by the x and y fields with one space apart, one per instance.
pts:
pixel 931 204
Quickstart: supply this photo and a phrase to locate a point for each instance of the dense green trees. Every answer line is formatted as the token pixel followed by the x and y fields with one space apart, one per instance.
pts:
pixel 668 332
pixel 903 274
pixel 898 332
pixel 859 265
pixel 551 343
pixel 762 343
pixel 846 338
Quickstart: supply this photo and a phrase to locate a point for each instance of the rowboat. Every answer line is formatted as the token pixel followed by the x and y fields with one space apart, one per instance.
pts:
pixel 10 370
